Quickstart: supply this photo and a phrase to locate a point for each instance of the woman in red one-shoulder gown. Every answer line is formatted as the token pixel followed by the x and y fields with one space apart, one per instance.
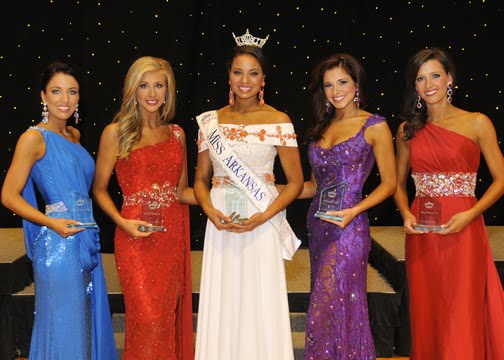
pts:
pixel 149 156
pixel 456 297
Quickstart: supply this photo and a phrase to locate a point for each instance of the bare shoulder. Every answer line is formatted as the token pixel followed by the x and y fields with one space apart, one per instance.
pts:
pixel 481 125
pixel 472 121
pixel 224 114
pixel 31 142
pixel 223 109
pixel 74 133
pixel 110 130
pixel 480 119
pixel 109 137
pixel 32 136
pixel 276 116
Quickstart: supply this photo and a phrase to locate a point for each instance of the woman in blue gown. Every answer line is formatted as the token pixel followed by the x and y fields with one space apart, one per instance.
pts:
pixel 72 315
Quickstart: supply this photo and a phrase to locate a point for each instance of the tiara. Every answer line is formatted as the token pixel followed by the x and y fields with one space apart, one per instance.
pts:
pixel 249 40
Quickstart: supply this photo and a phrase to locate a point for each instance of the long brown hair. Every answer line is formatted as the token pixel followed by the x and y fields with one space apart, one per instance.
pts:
pixel 416 118
pixel 322 118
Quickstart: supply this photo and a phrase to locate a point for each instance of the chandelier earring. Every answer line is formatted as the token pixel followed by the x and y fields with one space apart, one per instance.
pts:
pixel 450 92
pixel 327 106
pixel 356 99
pixel 76 114
pixel 45 114
pixel 231 96
pixel 261 94
pixel 418 101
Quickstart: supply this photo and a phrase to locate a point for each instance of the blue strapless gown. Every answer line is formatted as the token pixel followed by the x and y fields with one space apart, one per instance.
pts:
pixel 72 315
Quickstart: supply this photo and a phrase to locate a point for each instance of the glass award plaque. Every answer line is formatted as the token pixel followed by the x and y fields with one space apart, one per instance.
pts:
pixel 152 212
pixel 429 215
pixel 81 210
pixel 235 204
pixel 331 199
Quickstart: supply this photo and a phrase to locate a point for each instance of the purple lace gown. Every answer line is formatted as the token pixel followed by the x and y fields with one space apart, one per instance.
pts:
pixel 337 318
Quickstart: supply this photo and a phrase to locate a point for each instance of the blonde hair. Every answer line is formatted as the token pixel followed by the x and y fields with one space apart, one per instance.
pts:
pixel 128 118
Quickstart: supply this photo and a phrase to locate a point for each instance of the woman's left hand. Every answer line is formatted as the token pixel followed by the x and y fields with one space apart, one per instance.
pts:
pixel 456 224
pixel 347 216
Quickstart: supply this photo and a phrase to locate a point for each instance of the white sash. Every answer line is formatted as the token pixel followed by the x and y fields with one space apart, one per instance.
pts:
pixel 244 178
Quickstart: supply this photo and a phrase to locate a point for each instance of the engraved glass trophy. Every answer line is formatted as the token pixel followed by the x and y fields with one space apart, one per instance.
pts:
pixel 429 214
pixel 331 199
pixel 81 210
pixel 235 203
pixel 152 212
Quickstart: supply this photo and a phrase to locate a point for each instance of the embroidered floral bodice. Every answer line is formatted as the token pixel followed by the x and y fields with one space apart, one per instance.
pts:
pixel 255 144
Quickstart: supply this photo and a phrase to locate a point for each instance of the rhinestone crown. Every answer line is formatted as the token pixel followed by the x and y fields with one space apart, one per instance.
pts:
pixel 249 40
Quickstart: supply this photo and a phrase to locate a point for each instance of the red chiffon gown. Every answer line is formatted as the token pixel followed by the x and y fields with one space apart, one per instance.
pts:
pixel 456 297
pixel 155 271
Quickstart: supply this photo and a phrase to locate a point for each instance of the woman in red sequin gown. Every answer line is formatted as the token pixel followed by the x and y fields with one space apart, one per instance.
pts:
pixel 456 297
pixel 149 157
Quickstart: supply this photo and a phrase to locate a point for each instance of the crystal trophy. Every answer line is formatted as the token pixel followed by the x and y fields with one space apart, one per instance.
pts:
pixel 331 199
pixel 81 210
pixel 152 212
pixel 429 214
pixel 235 203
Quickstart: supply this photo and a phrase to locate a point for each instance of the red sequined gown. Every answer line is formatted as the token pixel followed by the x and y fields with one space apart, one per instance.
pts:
pixel 456 297
pixel 154 271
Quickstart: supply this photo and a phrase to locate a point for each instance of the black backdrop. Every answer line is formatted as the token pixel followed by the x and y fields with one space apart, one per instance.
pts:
pixel 104 38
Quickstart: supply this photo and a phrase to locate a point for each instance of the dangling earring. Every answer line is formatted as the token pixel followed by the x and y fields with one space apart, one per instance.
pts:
pixel 231 96
pixel 356 99
pixel 418 103
pixel 45 113
pixel 76 114
pixel 261 94
pixel 449 93
pixel 327 106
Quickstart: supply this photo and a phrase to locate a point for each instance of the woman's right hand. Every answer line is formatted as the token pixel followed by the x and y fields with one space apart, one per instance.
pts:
pixel 221 221
pixel 61 226
pixel 409 222
pixel 131 227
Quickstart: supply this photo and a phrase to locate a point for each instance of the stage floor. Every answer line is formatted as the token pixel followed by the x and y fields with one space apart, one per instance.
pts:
pixel 385 285
pixel 392 238
pixel 297 275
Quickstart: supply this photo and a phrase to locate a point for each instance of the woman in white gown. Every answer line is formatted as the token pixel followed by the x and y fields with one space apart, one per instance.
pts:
pixel 243 308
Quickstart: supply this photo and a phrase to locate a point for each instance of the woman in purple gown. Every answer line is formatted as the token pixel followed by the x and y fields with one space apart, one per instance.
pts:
pixel 343 145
